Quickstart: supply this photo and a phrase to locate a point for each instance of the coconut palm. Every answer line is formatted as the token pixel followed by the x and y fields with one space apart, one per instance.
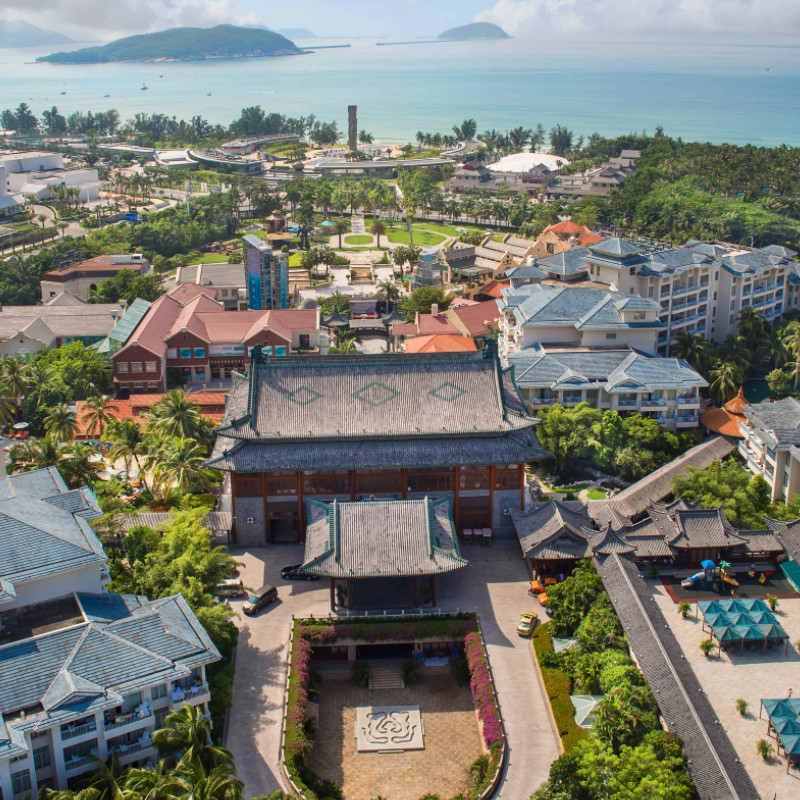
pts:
pixel 99 411
pixel 14 379
pixel 378 229
pixel 7 410
pixel 176 415
pixel 128 442
pixel 735 351
pixel 79 467
pixel 791 340
pixel 219 783
pixel 188 731
pixel 105 779
pixel 36 454
pixel 178 463
pixel 389 292
pixel 60 422
pixel 153 783
pixel 726 377
pixel 38 376
pixel 770 348
pixel 751 324
pixel 692 348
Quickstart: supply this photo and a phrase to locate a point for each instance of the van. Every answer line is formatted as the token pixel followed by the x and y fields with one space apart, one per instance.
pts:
pixel 257 600
pixel 231 587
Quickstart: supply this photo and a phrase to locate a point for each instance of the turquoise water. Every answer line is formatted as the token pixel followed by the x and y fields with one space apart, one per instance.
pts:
pixel 704 90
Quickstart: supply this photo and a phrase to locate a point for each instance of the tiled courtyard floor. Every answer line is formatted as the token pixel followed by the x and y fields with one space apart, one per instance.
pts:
pixel 452 741
pixel 752 675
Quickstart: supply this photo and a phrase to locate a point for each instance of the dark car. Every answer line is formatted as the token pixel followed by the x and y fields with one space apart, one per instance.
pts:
pixel 295 573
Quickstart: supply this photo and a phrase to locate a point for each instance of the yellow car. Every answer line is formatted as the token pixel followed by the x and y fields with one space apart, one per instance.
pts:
pixel 527 622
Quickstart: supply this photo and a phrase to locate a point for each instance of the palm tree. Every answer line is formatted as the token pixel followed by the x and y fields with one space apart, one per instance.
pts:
pixel 389 292
pixel 751 324
pixel 341 227
pixel 42 221
pixel 98 413
pixel 128 443
pixel 62 226
pixel 692 348
pixel 14 379
pixel 726 377
pixel 197 783
pixel 734 350
pixel 7 410
pixel 39 376
pixel 178 463
pixel 79 468
pixel 176 415
pixel 61 423
pixel 36 454
pixel 188 731
pixel 154 783
pixel 378 229
pixel 106 779
pixel 791 340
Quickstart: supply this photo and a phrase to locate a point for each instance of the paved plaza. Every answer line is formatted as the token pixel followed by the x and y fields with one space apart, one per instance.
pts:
pixel 494 586
pixel 752 675
pixel 452 741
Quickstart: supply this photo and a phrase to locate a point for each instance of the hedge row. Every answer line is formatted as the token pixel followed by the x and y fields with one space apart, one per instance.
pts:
pixel 558 685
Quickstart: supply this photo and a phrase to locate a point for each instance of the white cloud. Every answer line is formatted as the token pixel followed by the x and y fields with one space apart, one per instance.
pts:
pixel 109 19
pixel 603 17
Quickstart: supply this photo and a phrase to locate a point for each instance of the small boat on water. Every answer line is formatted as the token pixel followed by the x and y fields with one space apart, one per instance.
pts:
pixel 144 87
pixel 209 94
pixel 63 92
pixel 106 95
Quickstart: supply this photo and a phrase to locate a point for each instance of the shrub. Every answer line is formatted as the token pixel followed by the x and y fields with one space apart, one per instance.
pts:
pixel 483 689
pixel 765 749
pixel 625 716
pixel 600 628
pixel 479 769
pixel 410 672
pixel 460 669
pixel 619 675
pixel 684 608
pixel 362 672
pixel 741 706
pixel 772 602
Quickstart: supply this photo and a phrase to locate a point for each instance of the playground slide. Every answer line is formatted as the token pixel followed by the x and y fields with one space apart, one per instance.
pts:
pixel 688 583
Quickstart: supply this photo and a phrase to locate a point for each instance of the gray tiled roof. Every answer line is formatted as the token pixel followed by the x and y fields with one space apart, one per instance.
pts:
pixel 124 643
pixel 569 262
pixel 578 307
pixel 778 422
pixel 304 398
pixel 615 247
pixel 44 528
pixel 703 528
pixel 381 538
pixel 215 521
pixel 612 370
pixel 713 763
pixel 552 531
pixel 788 534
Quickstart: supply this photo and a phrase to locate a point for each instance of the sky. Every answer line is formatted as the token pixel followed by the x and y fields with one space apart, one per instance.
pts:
pixel 92 20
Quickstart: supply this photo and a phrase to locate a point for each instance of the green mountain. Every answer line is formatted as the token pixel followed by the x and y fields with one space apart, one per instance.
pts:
pixel 16 33
pixel 475 30
pixel 184 44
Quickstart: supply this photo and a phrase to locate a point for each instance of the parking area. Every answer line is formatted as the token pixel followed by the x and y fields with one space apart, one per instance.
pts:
pixel 494 586
pixel 751 675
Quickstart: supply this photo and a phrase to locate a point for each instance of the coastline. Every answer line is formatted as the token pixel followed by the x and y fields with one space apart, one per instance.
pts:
pixel 169 59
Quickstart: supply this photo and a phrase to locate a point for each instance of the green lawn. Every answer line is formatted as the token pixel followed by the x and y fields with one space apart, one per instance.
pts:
pixel 596 494
pixel 422 237
pixel 210 258
pixel 296 260
pixel 358 238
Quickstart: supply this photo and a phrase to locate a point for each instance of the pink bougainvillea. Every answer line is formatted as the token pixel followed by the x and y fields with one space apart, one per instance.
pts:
pixel 483 689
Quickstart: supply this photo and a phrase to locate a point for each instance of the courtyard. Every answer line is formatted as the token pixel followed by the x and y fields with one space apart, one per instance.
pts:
pixel 750 675
pixel 451 740
pixel 494 586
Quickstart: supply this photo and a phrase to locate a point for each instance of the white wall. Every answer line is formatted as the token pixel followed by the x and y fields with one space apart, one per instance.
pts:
pixel 85 579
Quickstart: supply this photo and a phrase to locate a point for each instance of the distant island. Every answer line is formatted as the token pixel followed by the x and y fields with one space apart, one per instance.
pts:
pixel 296 33
pixel 16 33
pixel 475 30
pixel 184 44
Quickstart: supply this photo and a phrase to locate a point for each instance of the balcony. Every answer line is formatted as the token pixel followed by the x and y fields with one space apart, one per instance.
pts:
pixel 626 403
pixel 652 402
pixel 80 762
pixel 689 400
pixel 143 713
pixel 188 694
pixel 687 421
pixel 79 730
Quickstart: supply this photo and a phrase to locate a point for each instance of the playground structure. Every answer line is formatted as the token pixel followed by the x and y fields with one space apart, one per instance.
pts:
pixel 719 577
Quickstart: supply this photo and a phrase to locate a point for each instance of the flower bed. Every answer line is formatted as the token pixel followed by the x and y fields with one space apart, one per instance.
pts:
pixel 558 686
pixel 309 632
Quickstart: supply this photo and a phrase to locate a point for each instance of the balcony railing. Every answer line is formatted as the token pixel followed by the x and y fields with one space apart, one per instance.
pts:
pixel 687 419
pixel 183 694
pixel 125 719
pixel 80 761
pixel 626 403
pixel 647 402
pixel 688 400
pixel 71 733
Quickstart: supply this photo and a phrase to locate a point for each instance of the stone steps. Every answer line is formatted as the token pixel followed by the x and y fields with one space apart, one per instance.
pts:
pixel 387 678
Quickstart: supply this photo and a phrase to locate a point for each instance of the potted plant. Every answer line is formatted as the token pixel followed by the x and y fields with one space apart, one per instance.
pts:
pixel 362 672
pixel 707 645
pixel 684 608
pixel 772 602
pixel 741 706
pixel 765 749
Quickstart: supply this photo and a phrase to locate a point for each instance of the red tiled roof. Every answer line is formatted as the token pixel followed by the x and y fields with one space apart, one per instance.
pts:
pixel 721 421
pixel 493 288
pixel 212 406
pixel 427 323
pixel 471 320
pixel 439 343
pixel 567 226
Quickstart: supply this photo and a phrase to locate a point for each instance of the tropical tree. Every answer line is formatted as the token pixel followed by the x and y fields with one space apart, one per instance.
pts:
pixel 177 463
pixel 378 229
pixel 692 348
pixel 99 411
pixel 734 350
pixel 105 779
pixel 726 377
pixel 128 442
pixel 751 325
pixel 341 227
pixel 152 783
pixel 14 379
pixel 422 300
pixel 176 415
pixel 188 731
pixel 7 410
pixel 389 292
pixel 36 454
pixel 197 783
pixel 791 340
pixel 60 423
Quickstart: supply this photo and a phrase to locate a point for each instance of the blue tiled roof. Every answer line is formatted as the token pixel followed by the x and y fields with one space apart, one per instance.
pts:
pixel 146 643
pixel 615 248
pixel 43 527
pixel 612 370
pixel 569 262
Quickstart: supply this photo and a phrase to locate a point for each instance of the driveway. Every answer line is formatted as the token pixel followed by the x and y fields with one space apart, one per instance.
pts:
pixel 494 586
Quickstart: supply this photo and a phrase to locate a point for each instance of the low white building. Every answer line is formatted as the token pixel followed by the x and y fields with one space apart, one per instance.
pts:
pixel 83 672
pixel 771 445
pixel 10 202
pixel 36 174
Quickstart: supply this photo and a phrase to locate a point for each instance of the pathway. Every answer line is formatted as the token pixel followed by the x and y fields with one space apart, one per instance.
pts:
pixel 357 224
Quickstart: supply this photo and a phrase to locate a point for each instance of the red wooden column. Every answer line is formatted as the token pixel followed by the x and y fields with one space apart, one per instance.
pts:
pixel 404 479
pixel 333 594
pixel 267 526
pixel 351 481
pixel 301 528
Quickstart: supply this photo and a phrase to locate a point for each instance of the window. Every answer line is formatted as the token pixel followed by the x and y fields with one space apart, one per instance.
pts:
pixel 186 352
pixel 21 782
pixel 611 336
pixel 136 366
pixel 640 315
pixel 200 374
pixel 160 716
pixel 199 352
pixel 122 366
pixel 41 757
pixel 150 366
pixel 280 351
pixel 159 691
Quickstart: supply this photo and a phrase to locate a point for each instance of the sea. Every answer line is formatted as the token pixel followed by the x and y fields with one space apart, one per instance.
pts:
pixel 700 89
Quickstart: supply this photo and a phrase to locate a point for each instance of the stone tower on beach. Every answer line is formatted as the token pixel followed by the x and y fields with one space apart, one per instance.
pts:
pixel 352 127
